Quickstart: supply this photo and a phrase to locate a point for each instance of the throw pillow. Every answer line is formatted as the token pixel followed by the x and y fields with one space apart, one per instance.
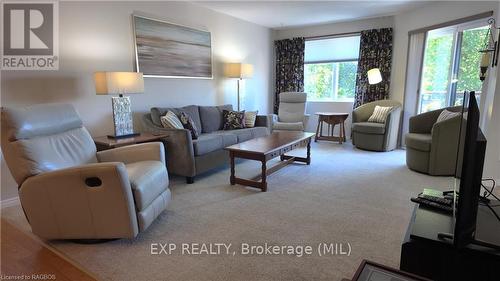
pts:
pixel 446 114
pixel 380 114
pixel 250 117
pixel 171 121
pixel 233 119
pixel 188 123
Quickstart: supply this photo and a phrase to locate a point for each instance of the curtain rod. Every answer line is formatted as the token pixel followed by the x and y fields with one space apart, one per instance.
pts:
pixel 453 22
pixel 336 35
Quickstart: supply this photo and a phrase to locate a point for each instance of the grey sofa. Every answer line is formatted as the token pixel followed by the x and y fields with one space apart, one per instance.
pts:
pixel 376 136
pixel 67 190
pixel 187 157
pixel 431 147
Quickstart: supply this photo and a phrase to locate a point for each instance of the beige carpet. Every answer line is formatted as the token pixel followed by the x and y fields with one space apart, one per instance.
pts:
pixel 345 196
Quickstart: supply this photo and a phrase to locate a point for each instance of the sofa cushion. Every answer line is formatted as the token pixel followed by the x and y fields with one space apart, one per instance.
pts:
pixel 188 123
pixel 380 114
pixel 420 142
pixel 233 120
pixel 148 180
pixel 209 142
pixel 211 117
pixel 192 110
pixel 249 133
pixel 250 117
pixel 285 126
pixel 170 120
pixel 369 128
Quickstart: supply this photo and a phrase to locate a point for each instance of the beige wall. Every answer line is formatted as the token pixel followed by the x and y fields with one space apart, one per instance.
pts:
pixel 98 36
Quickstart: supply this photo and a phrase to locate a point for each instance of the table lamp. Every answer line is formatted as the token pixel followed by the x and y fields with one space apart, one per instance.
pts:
pixel 120 83
pixel 240 71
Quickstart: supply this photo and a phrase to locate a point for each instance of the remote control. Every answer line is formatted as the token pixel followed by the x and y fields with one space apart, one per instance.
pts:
pixel 434 205
pixel 439 200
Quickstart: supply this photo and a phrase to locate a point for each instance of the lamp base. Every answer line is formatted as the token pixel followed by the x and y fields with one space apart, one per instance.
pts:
pixel 123 136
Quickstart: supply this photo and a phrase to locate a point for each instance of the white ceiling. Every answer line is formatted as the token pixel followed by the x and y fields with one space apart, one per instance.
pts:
pixel 279 14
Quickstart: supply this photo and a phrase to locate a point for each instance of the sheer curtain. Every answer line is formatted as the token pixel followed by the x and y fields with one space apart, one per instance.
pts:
pixel 415 58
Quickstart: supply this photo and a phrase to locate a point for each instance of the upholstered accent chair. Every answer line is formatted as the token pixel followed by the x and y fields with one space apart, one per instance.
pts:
pixel 291 113
pixel 376 136
pixel 431 147
pixel 67 190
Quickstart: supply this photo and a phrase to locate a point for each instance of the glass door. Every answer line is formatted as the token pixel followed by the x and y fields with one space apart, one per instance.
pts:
pixel 471 42
pixel 451 65
pixel 437 69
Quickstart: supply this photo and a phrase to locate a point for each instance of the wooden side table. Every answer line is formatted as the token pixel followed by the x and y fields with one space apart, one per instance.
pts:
pixel 104 142
pixel 332 119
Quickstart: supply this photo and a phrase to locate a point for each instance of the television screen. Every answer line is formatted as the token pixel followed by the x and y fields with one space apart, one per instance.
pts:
pixel 469 170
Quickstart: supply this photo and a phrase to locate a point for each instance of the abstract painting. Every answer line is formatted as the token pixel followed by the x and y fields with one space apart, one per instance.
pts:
pixel 169 50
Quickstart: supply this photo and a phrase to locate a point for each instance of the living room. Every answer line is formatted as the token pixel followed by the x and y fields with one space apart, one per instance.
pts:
pixel 343 185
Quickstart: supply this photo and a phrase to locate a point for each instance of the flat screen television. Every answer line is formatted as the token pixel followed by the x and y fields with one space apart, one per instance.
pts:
pixel 472 149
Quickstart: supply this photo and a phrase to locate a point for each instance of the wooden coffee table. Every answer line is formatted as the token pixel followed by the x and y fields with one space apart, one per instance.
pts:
pixel 266 148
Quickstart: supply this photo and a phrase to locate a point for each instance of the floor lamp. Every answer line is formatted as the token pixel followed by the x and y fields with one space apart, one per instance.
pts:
pixel 240 71
pixel 120 83
pixel 374 77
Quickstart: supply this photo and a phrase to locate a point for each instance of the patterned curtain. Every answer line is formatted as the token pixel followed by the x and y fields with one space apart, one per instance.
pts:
pixel 375 51
pixel 289 67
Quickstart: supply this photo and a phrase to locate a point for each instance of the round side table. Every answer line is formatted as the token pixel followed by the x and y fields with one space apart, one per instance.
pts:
pixel 332 119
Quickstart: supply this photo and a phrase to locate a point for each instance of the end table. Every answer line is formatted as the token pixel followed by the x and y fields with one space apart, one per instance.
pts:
pixel 104 142
pixel 332 119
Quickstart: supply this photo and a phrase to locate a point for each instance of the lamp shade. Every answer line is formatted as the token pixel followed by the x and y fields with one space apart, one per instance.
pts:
pixel 238 70
pixel 118 83
pixel 374 76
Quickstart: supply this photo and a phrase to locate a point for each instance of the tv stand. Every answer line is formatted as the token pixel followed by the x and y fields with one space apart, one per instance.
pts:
pixel 428 251
pixel 444 236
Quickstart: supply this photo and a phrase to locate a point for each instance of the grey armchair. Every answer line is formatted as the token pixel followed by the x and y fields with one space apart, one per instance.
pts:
pixel 291 113
pixel 431 147
pixel 376 136
pixel 67 190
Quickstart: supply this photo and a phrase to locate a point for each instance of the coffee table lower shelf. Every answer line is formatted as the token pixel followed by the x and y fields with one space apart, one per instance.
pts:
pixel 260 181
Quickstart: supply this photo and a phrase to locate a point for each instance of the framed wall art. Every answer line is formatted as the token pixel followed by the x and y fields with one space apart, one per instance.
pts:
pixel 164 49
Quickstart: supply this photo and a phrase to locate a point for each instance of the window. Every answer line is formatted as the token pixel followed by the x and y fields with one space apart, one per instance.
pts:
pixel 330 68
pixel 451 65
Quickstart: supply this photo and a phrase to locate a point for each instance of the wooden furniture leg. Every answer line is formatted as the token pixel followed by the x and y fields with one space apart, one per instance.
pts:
pixel 308 158
pixel 343 130
pixel 232 178
pixel 317 130
pixel 264 176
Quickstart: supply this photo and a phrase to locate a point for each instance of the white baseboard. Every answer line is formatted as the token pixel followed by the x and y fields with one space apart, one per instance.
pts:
pixel 10 202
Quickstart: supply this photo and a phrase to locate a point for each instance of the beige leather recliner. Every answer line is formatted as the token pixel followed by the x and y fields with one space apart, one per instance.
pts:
pixel 67 190
pixel 291 113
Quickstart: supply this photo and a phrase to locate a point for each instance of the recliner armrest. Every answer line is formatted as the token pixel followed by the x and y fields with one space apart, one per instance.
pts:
pixel 273 118
pixel 91 201
pixel 134 153
pixel 306 120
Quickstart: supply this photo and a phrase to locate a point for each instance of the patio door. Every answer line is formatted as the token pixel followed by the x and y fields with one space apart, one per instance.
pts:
pixel 451 65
